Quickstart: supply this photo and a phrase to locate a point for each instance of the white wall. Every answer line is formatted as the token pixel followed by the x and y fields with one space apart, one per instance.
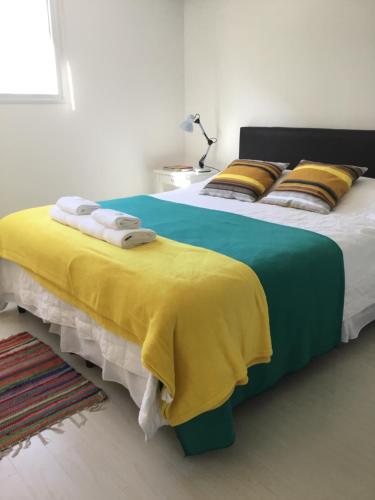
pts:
pixel 127 64
pixel 278 62
pixel 247 62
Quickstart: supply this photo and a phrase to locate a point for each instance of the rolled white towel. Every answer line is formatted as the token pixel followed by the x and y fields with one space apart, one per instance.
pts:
pixel 123 238
pixel 65 218
pixel 129 238
pixel 115 220
pixel 87 225
pixel 76 205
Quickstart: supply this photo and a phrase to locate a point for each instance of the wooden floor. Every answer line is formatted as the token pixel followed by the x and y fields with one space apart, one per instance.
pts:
pixel 311 437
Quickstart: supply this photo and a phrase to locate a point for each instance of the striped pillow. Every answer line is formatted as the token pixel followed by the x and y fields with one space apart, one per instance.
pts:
pixel 314 186
pixel 245 180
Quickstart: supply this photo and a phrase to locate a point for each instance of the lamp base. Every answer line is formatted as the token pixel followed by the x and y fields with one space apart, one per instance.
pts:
pixel 200 170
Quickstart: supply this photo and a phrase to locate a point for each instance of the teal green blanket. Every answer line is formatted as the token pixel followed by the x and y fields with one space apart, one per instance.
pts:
pixel 302 274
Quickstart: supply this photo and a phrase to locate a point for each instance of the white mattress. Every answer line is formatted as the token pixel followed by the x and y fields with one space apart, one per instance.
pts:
pixel 351 226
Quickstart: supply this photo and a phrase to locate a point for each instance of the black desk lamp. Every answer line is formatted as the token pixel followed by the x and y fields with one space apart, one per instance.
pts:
pixel 188 126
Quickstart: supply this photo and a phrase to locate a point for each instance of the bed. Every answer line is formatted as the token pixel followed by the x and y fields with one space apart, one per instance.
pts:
pixel 351 227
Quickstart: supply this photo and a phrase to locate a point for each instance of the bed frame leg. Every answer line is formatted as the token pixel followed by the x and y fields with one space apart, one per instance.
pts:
pixel 21 310
pixel 87 363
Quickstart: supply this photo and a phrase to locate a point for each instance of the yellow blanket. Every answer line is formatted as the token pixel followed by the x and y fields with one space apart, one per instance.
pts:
pixel 201 317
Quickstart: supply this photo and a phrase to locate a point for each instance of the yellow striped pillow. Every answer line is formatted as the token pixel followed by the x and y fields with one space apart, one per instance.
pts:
pixel 314 186
pixel 245 180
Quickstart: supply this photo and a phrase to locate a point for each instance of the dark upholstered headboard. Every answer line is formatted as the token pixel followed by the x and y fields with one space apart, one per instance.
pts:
pixel 353 147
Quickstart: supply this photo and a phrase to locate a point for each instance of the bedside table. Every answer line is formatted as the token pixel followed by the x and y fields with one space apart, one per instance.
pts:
pixel 167 180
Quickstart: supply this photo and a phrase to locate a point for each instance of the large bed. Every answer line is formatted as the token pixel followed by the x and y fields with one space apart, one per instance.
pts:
pixel 351 226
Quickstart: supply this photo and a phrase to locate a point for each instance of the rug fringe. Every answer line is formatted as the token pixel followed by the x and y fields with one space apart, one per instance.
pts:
pixel 17 450
pixel 83 418
pixel 56 429
pixel 44 440
pixel 5 453
pixel 25 443
pixel 97 407
pixel 72 419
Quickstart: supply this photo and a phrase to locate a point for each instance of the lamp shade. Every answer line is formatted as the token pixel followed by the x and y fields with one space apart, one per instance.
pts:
pixel 188 124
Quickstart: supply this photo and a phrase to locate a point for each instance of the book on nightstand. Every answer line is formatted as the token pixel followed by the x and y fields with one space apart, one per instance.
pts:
pixel 178 168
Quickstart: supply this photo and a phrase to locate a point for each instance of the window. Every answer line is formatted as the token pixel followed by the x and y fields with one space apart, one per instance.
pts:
pixel 28 69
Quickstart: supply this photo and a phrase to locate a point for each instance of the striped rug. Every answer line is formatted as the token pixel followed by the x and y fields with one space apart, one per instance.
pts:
pixel 37 389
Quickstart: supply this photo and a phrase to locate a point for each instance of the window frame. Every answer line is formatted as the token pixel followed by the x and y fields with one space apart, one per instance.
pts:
pixel 44 98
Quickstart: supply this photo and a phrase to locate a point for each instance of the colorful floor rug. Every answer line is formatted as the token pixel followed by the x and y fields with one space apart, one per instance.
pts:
pixel 37 389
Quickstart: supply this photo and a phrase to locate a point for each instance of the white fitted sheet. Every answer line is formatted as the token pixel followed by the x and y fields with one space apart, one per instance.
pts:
pixel 351 225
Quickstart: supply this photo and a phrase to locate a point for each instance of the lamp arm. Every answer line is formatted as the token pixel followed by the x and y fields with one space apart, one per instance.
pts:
pixel 203 132
pixel 201 161
pixel 210 140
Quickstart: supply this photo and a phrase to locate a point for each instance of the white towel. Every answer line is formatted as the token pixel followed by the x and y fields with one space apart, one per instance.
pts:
pixel 129 238
pixel 65 218
pixel 87 225
pixel 115 220
pixel 124 238
pixel 76 205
